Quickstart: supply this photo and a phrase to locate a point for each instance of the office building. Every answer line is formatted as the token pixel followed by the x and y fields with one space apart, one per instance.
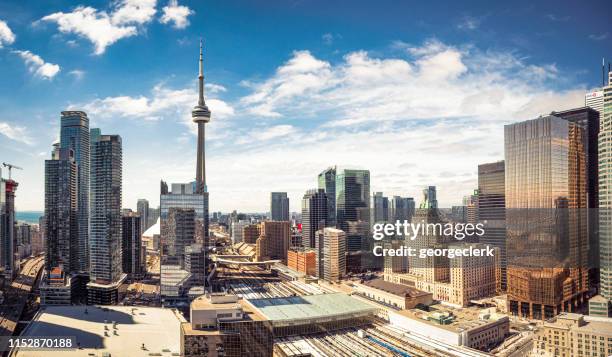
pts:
pixel 429 198
pixel 23 240
pixel 153 216
pixel 179 232
pixel 181 224
pixel 330 250
pixel 38 246
pixel 75 135
pixel 380 208
pixel 251 232
pixel 106 273
pixel 589 119
pixel 394 263
pixel 279 206
pixel 471 208
pixel 237 231
pixel 492 211
pixel 274 240
pixel 180 196
pixel 546 215
pixel 595 99
pixel 327 182
pixel 605 194
pixel 402 209
pixel 314 215
pixel 131 246
pixel 195 263
pixel 570 334
pixel 353 211
pixel 8 263
pixel 142 207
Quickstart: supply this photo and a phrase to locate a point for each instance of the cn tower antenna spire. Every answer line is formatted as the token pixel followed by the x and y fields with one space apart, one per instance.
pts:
pixel 201 76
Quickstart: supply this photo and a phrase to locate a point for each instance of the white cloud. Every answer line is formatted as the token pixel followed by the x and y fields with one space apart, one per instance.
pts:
pixel 176 14
pixel 133 12
pixel 162 104
pixel 104 28
pixel 215 88
pixel 436 81
pixel 16 133
pixel 77 73
pixel 599 37
pixel 38 66
pixel 7 37
pixel 468 23
pixel 429 116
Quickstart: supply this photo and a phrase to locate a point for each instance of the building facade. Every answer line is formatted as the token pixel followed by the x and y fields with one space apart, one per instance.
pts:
pixel 330 253
pixel 353 207
pixel 314 215
pixel 492 211
pixel 61 212
pixel 106 273
pixel 75 135
pixel 279 206
pixel 327 182
pixel 569 335
pixel 131 246
pixel 546 215
pixel 8 263
pixel 142 207
pixel 274 240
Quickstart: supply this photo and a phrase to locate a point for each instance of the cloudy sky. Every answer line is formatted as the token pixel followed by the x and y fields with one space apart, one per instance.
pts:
pixel 416 92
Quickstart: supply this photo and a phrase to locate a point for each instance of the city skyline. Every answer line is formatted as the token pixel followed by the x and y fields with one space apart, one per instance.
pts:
pixel 293 109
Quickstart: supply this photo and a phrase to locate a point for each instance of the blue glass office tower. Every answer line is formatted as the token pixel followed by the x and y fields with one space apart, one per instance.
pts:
pixel 353 205
pixel 74 134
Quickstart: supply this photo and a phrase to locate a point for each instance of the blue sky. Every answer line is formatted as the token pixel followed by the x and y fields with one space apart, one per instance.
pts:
pixel 418 92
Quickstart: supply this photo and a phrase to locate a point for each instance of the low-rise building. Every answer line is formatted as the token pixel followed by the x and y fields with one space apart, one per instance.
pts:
pixel 56 288
pixel 302 260
pixel 394 295
pixel 225 325
pixel 480 329
pixel 569 335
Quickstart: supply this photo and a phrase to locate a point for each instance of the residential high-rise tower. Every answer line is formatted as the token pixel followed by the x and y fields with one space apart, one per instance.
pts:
pixel 74 134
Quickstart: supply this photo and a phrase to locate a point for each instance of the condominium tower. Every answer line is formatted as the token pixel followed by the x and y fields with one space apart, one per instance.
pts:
pixel 106 273
pixel 74 134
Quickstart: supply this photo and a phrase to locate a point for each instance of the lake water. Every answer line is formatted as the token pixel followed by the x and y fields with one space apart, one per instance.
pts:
pixel 28 216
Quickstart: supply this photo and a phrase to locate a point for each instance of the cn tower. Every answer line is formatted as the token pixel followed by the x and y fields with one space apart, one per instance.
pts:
pixel 201 115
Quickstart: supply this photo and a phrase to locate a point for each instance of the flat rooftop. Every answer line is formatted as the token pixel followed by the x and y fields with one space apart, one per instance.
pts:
pixel 158 329
pixel 310 307
pixel 392 288
pixel 464 319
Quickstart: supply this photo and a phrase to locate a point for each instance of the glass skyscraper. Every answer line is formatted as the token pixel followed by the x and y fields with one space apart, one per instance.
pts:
pixel 547 188
pixel 279 206
pixel 327 182
pixel 314 215
pixel 492 211
pixel 380 211
pixel 74 134
pixel 353 205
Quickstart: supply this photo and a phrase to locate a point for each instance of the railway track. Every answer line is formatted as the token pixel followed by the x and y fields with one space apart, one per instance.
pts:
pixel 17 295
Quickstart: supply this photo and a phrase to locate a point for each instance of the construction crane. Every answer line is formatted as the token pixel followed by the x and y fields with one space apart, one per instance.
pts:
pixel 11 167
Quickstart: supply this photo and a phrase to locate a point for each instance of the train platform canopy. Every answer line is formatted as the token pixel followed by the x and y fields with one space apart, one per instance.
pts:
pixel 311 308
